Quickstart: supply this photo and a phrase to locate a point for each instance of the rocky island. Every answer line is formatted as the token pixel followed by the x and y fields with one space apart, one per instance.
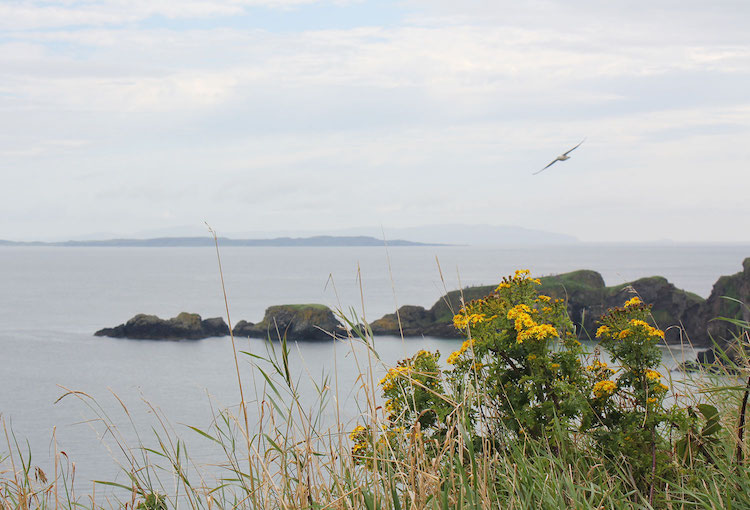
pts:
pixel 150 327
pixel 297 322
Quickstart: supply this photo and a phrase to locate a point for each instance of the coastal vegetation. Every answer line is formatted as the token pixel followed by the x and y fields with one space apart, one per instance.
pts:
pixel 519 416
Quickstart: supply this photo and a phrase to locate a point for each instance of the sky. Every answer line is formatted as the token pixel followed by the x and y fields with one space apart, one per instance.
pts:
pixel 122 116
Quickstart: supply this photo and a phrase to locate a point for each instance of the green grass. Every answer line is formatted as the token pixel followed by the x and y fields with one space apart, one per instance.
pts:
pixel 313 306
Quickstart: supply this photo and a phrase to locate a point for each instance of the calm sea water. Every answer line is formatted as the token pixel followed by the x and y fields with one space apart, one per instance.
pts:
pixel 53 299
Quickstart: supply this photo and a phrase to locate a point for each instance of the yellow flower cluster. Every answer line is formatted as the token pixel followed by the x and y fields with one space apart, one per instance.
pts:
pixel 526 327
pixel 602 331
pixel 650 331
pixel 356 431
pixel 538 332
pixel 521 314
pixel 639 325
pixel 604 388
pixel 596 365
pixel 455 355
pixel 543 299
pixel 521 275
pixel 652 375
pixel 389 380
pixel 462 321
pixel 633 302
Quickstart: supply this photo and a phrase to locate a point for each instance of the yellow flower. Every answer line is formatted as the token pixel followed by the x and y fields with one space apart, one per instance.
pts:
pixel 502 286
pixel 656 332
pixel 652 400
pixel 460 321
pixel 650 331
pixel 476 318
pixel 633 302
pixel 652 375
pixel 531 357
pixel 538 332
pixel 555 366
pixel 522 272
pixel 468 344
pixel 517 310
pixel 596 365
pixel 543 298
pixel 637 322
pixel 623 334
pixel 389 380
pixel 356 431
pixel 602 331
pixel 604 388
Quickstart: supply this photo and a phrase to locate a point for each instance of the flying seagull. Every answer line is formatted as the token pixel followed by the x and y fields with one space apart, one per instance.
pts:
pixel 561 157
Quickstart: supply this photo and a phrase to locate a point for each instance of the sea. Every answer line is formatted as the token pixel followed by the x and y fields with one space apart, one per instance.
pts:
pixel 64 390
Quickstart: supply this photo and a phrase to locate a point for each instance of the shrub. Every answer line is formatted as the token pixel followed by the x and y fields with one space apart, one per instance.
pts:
pixel 520 377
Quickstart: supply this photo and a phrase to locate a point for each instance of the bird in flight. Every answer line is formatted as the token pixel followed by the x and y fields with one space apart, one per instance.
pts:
pixel 561 157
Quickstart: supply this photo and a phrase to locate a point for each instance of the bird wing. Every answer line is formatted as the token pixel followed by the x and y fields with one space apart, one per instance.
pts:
pixel 546 167
pixel 574 148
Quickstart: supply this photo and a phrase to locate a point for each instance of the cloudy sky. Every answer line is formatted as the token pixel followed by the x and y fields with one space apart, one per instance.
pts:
pixel 121 116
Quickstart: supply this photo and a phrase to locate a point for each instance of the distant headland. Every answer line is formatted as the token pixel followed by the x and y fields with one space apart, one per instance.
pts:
pixel 193 242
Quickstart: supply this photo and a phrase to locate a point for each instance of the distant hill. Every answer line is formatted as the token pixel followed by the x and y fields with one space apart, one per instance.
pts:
pixel 473 235
pixel 166 242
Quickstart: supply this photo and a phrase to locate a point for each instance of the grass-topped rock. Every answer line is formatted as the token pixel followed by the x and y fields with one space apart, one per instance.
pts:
pixel 296 322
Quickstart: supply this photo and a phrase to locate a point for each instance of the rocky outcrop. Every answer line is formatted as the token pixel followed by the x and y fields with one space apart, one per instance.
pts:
pixel 585 292
pixel 296 322
pixel 184 326
pixel 588 299
pixel 729 299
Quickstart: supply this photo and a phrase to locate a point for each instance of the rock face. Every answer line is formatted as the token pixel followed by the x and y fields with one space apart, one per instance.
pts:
pixel 588 299
pixel 184 326
pixel 297 322
pixel 705 327
pixel 587 296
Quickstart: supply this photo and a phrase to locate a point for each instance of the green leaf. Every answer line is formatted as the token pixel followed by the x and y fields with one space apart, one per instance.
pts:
pixel 713 419
pixel 369 502
pixel 709 412
pixel 204 434
pixel 113 484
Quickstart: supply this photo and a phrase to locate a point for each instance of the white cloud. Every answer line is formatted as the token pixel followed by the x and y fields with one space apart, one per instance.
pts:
pixel 35 14
pixel 441 119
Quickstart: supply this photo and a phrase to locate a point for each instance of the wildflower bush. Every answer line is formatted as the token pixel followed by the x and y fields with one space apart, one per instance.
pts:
pixel 522 375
